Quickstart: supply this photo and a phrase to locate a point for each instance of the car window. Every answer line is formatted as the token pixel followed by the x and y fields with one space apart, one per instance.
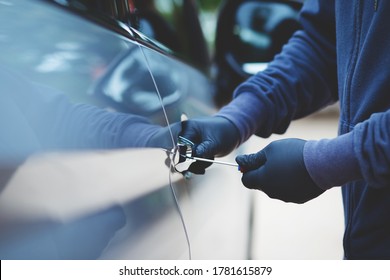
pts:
pixel 173 23
pixel 176 25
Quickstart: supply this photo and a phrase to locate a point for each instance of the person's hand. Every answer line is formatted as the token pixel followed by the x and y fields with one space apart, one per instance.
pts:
pixel 213 136
pixel 279 171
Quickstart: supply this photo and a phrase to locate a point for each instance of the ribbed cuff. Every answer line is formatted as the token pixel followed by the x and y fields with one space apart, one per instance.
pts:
pixel 332 162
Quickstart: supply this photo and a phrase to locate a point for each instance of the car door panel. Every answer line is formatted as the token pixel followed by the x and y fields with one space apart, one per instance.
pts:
pixel 203 206
pixel 60 197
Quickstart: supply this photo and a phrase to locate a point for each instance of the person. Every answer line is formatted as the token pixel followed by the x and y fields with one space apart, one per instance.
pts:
pixel 341 54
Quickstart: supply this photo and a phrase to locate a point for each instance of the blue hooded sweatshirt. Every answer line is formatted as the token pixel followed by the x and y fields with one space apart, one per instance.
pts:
pixel 341 54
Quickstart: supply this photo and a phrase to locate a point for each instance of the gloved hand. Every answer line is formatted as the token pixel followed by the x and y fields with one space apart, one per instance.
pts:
pixel 213 136
pixel 279 171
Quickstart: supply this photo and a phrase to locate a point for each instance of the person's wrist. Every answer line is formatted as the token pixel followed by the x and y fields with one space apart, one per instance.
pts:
pixel 247 112
pixel 231 130
pixel 331 162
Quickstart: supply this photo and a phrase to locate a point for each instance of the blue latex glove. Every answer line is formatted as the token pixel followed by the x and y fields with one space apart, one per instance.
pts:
pixel 213 136
pixel 279 171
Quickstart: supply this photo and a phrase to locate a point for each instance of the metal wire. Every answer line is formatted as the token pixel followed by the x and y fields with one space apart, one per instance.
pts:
pixel 171 161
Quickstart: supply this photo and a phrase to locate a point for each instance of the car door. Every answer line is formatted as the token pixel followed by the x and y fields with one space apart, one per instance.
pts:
pixel 215 209
pixel 86 204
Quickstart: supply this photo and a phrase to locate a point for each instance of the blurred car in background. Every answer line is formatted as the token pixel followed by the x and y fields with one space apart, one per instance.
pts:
pixel 249 34
pixel 147 58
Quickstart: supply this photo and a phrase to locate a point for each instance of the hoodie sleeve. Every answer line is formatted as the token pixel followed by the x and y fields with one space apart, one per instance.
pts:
pixel 363 153
pixel 300 80
pixel 372 148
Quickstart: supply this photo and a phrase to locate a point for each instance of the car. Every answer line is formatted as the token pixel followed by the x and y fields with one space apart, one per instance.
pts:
pixel 249 34
pixel 144 58
pixel 120 203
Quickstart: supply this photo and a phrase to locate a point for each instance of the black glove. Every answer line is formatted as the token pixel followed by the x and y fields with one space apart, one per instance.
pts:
pixel 279 171
pixel 213 136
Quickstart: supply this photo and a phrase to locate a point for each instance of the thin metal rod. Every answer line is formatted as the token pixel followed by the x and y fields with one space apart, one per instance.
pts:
pixel 213 161
pixel 173 145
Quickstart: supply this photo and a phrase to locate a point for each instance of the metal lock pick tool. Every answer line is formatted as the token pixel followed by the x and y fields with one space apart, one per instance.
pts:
pixel 185 151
